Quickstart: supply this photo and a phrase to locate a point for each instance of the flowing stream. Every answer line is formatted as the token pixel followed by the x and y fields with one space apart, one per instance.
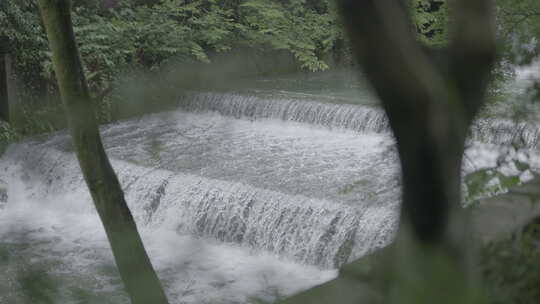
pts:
pixel 240 197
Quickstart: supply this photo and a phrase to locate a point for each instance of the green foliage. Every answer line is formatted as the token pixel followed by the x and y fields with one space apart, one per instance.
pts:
pixel 491 181
pixel 519 22
pixel 7 135
pixel 38 119
pixel 511 268
pixel 23 36
pixel 292 25
pixel 150 36
pixel 487 182
pixel 519 29
pixel 431 21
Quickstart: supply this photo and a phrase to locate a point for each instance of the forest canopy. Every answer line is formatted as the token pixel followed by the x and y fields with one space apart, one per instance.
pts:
pixel 125 34
pixel 120 35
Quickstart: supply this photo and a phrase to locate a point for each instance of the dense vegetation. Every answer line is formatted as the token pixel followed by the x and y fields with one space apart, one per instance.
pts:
pixel 119 37
pixel 520 28
pixel 133 34
pixel 127 37
pixel 512 269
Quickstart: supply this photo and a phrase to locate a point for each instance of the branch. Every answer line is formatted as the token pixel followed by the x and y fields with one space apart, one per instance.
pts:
pixel 401 72
pixel 472 51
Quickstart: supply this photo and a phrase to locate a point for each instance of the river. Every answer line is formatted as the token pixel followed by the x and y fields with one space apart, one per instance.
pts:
pixel 241 195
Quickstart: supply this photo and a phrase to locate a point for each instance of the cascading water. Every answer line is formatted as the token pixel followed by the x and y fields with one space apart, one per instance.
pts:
pixel 506 132
pixel 220 178
pixel 307 230
pixel 345 116
pixel 340 116
pixel 274 199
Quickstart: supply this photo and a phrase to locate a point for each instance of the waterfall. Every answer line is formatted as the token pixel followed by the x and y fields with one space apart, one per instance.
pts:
pixel 334 116
pixel 506 132
pixel 226 194
pixel 314 196
pixel 307 230
pixel 357 118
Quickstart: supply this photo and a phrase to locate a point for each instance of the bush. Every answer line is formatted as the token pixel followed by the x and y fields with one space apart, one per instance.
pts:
pixel 511 268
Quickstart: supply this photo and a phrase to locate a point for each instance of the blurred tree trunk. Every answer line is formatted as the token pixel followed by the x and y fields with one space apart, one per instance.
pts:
pixel 138 275
pixel 5 71
pixel 430 102
pixel 4 89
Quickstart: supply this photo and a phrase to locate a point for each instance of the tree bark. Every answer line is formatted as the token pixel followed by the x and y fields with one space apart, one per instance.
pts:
pixel 4 88
pixel 430 103
pixel 138 275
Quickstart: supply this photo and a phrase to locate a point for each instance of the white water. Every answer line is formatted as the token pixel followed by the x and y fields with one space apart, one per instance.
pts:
pixel 291 190
pixel 208 203
pixel 62 240
pixel 345 117
pixel 261 200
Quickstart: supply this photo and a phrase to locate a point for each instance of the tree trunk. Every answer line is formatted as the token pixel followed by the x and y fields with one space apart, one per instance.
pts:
pixel 138 275
pixel 4 88
pixel 430 102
